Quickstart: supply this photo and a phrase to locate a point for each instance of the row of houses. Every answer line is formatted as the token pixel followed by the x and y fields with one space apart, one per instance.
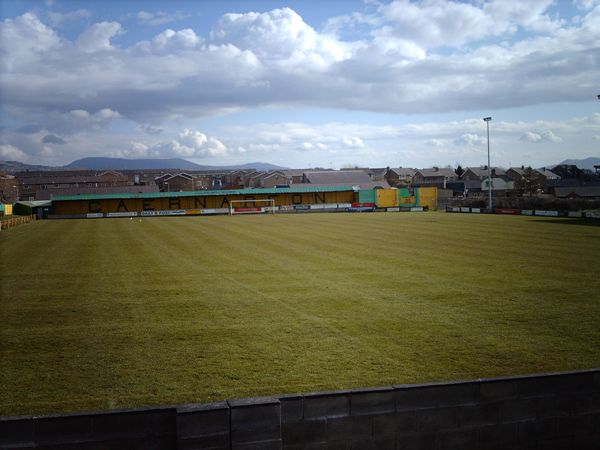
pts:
pixel 515 181
pixel 471 176
pixel 472 181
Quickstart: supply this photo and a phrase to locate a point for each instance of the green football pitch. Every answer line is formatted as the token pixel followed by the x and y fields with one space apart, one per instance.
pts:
pixel 115 313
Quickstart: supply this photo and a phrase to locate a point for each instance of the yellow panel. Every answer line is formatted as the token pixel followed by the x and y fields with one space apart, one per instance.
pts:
pixel 387 198
pixel 428 197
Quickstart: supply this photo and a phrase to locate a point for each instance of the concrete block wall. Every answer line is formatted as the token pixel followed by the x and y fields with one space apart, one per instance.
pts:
pixel 557 411
pixel 551 411
pixel 132 429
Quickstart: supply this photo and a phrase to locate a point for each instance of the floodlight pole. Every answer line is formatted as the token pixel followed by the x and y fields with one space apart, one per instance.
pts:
pixel 487 122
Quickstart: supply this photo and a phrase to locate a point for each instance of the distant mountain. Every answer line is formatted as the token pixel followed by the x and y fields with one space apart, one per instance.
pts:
pixel 265 167
pixel 587 163
pixel 16 166
pixel 98 163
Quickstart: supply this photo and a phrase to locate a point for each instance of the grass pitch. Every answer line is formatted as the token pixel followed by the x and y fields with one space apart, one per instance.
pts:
pixel 117 313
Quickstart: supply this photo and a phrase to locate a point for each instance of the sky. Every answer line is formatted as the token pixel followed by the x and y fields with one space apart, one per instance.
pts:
pixel 301 84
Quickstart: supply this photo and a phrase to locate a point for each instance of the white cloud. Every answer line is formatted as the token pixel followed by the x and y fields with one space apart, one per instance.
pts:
pixel 98 36
pixel 532 15
pixel 59 19
pixel 150 129
pixel 135 150
pixel 435 143
pixel 471 140
pixel 11 153
pixel 138 148
pixel 545 136
pixel 306 146
pixel 279 37
pixel 309 146
pixel 453 24
pixel 530 136
pixel 192 138
pixel 174 40
pixel 434 24
pixel 352 142
pixel 79 119
pixel 159 17
pixel 586 4
pixel 191 144
pixel 24 41
pixel 549 136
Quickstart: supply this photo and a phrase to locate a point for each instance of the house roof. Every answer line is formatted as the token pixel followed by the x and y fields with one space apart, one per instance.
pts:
pixel 361 185
pixel 519 170
pixel 548 174
pixel 274 173
pixel 437 172
pixel 110 172
pixel 294 172
pixel 404 171
pixel 63 180
pixel 184 175
pixel 334 177
pixel 47 194
pixel 377 171
pixel 55 173
pixel 482 172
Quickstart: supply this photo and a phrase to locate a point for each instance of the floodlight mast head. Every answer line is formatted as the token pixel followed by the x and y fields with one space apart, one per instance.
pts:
pixel 487 119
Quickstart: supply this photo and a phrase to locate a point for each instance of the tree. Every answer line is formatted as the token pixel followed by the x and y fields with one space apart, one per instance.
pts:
pixel 568 171
pixel 8 191
pixel 531 181
pixel 459 171
pixel 572 172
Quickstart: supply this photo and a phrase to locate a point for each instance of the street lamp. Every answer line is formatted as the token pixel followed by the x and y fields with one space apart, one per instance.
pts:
pixel 487 122
pixel 17 189
pixel 168 188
